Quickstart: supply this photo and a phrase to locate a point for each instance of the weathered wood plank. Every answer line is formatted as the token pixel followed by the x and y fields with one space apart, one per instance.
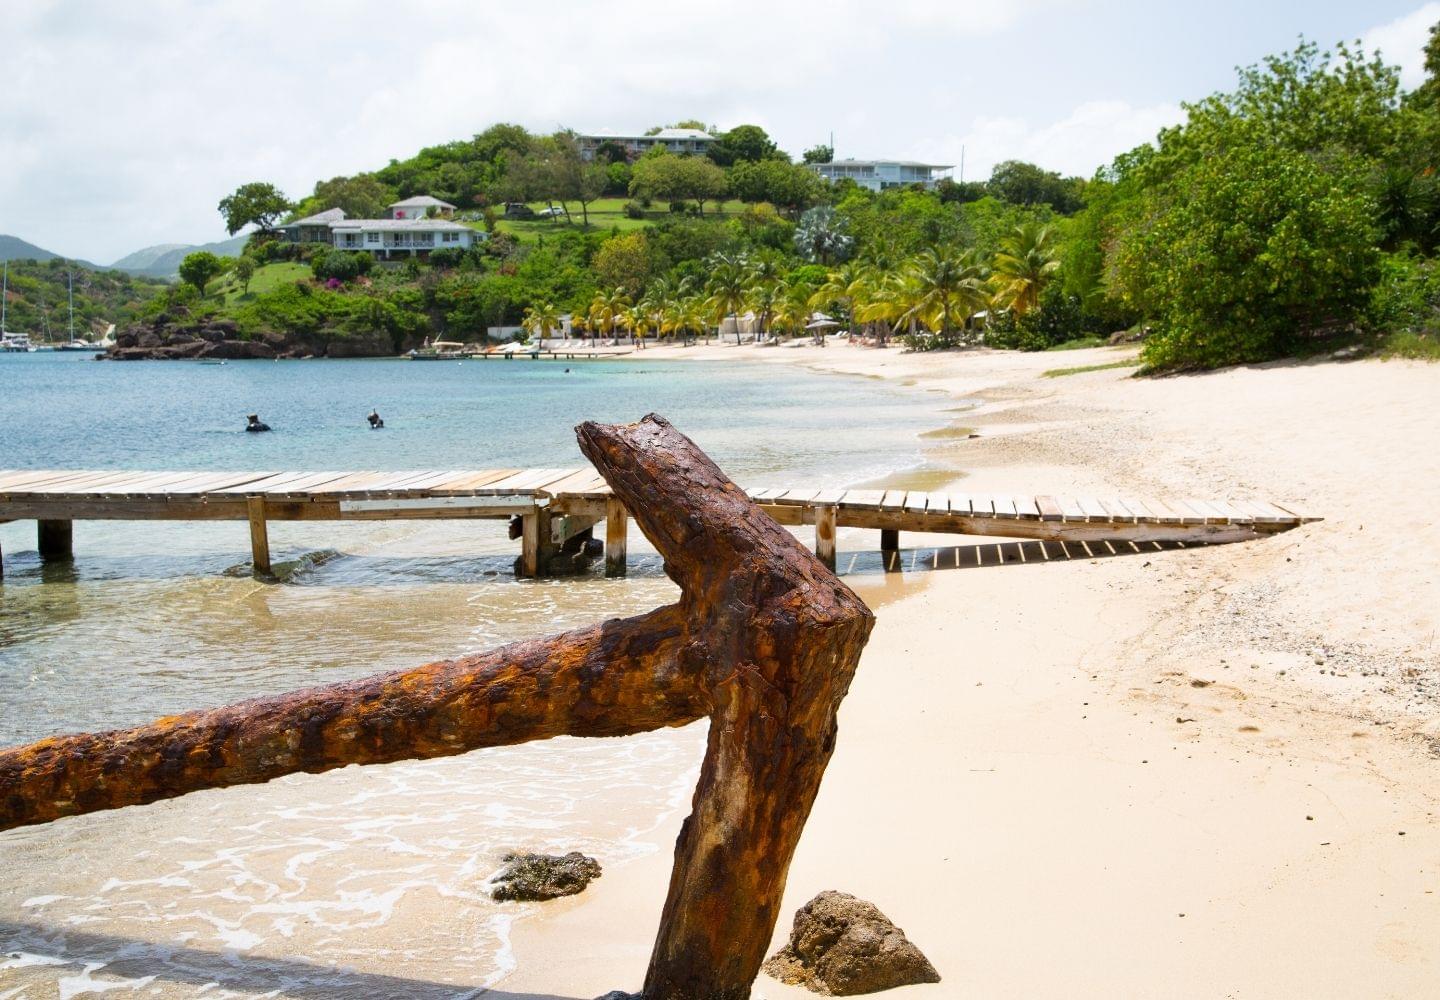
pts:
pixel 1050 509
pixel 863 498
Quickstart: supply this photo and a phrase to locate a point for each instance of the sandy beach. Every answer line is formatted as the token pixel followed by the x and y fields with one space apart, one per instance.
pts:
pixel 1203 772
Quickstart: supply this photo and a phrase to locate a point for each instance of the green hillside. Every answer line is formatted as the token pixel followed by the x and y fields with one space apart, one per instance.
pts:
pixel 37 299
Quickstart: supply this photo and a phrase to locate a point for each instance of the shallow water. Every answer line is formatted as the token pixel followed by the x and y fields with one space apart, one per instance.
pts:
pixel 363 882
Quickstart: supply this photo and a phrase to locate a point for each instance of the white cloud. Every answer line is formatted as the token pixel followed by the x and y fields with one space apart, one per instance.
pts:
pixel 1090 136
pixel 1402 42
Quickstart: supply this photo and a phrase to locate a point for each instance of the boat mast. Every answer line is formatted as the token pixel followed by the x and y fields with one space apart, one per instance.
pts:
pixel 71 275
pixel 4 298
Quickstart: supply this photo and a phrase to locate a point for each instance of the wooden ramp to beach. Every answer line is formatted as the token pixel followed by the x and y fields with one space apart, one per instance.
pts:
pixel 556 509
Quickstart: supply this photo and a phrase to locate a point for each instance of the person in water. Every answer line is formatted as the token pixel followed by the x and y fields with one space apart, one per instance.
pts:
pixel 375 422
pixel 254 425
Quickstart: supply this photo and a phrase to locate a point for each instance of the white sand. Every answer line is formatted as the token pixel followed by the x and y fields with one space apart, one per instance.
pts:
pixel 1129 777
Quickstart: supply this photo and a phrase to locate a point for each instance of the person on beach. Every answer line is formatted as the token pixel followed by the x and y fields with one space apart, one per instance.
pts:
pixel 375 422
pixel 254 425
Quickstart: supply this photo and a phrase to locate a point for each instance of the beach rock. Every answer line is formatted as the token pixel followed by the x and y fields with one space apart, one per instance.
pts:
pixel 544 876
pixel 371 344
pixel 238 350
pixel 843 946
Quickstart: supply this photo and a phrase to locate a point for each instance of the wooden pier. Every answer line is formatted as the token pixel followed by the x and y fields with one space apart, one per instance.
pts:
pixel 556 510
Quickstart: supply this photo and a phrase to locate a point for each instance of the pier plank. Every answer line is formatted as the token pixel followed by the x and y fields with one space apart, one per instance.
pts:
pixel 1049 509
pixel 1026 507
pixel 915 502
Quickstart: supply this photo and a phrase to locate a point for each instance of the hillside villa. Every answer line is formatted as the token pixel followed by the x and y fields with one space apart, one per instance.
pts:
pixel 415 226
pixel 877 175
pixel 676 140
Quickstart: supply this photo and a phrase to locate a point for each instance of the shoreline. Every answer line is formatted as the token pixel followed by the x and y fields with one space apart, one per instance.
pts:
pixel 1143 772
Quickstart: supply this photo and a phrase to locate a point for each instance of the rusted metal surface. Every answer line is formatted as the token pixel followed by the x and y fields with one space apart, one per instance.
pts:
pixel 764 640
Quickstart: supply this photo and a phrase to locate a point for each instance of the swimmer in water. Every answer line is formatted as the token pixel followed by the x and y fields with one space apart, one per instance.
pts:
pixel 254 425
pixel 375 422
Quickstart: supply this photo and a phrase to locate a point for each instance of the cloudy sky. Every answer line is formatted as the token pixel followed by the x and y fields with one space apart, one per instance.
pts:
pixel 122 124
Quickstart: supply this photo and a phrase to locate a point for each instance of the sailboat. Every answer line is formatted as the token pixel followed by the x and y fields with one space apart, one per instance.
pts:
pixel 10 343
pixel 72 344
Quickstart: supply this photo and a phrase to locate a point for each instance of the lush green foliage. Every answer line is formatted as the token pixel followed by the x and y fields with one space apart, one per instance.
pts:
pixel 37 303
pixel 255 204
pixel 1298 209
pixel 198 268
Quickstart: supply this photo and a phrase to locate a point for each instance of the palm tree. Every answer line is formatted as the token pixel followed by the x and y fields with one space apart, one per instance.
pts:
pixel 542 320
pixel 1024 266
pixel 839 288
pixel 637 321
pixel 728 287
pixel 607 309
pixel 579 324
pixel 792 311
pixel 763 298
pixel 942 291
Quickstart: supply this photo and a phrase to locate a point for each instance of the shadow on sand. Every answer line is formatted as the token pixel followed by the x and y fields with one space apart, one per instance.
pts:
pixel 257 974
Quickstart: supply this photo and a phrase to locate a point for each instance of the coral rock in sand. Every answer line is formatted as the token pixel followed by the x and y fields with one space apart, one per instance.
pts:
pixel 544 876
pixel 843 946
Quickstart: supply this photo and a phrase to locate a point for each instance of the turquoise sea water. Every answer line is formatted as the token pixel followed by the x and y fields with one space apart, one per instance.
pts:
pixel 366 881
pixel 65 410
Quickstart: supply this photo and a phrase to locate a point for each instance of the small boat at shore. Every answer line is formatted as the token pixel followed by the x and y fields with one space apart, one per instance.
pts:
pixel 72 344
pixel 440 350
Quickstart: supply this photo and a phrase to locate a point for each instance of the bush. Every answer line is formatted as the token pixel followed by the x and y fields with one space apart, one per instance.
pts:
pixel 447 257
pixel 1247 254
pixel 339 265
pixel 633 211
pixel 1406 298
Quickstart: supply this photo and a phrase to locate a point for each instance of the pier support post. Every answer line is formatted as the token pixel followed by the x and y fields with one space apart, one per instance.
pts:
pixel 259 535
pixel 825 535
pixel 617 521
pixel 890 548
pixel 55 540
pixel 535 543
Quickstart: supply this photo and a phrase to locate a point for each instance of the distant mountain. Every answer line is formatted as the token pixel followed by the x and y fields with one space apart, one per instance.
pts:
pixel 163 259
pixel 14 248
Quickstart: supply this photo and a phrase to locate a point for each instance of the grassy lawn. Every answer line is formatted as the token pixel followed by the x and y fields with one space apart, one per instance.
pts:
pixel 1079 343
pixel 1060 372
pixel 266 277
pixel 605 214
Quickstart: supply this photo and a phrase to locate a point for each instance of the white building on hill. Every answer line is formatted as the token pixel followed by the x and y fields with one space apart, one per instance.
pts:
pixel 877 175
pixel 676 140
pixel 415 227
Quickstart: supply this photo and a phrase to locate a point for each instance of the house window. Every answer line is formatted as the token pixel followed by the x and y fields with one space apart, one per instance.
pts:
pixel 372 238
pixel 450 237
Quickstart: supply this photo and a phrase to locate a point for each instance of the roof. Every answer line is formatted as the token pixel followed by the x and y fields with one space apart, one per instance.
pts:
pixel 422 201
pixel 665 133
pixel 319 218
pixel 883 163
pixel 416 225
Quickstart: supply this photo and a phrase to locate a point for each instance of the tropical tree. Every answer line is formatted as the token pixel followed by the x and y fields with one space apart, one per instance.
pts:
pixel 728 289
pixel 256 203
pixel 792 311
pixel 822 236
pixel 763 299
pixel 542 320
pixel 839 288
pixel 606 310
pixel 244 270
pixel 943 290
pixel 199 267
pixel 1023 267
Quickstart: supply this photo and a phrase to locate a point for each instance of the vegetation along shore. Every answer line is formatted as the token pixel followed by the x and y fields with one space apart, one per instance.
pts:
pixel 1295 213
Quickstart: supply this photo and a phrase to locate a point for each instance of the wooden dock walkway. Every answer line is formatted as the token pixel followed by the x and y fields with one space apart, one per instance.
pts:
pixel 556 510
